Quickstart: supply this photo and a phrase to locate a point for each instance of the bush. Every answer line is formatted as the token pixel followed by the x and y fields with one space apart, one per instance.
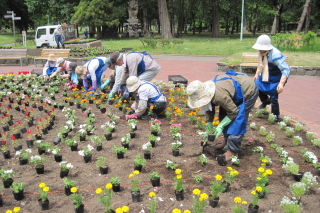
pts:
pixel 164 42
pixel 149 42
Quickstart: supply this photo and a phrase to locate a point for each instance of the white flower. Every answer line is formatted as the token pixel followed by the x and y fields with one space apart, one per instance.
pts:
pixel 38 141
pixel 69 166
pixel 8 171
pixel 29 150
pixel 54 152
pixel 90 147
pixel 81 152
pixel 169 161
pixel 83 126
pixel 62 162
pixel 158 139
pixel 261 149
pixel 103 126
pixel 145 146
pixel 36 157
pixel 82 131
pixel 66 127
pixel 18 153
pixel 233 159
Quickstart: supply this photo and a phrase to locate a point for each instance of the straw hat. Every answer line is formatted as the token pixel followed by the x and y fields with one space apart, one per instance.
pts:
pixel 200 94
pixel 133 83
pixel 81 71
pixel 51 57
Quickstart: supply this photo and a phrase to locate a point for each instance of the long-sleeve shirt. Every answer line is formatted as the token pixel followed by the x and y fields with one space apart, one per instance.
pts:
pixel 64 67
pixel 46 66
pixel 225 92
pixel 93 65
pixel 118 73
pixel 131 62
pixel 275 57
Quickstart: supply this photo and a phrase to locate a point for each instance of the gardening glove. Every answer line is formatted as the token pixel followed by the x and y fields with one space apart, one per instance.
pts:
pixel 126 93
pixel 110 96
pixel 120 89
pixel 221 125
pixel 105 84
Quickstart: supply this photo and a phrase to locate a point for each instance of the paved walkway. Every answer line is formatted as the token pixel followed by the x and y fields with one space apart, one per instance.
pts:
pixel 300 99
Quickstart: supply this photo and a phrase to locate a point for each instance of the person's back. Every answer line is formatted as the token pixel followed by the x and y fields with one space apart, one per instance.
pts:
pixel 85 33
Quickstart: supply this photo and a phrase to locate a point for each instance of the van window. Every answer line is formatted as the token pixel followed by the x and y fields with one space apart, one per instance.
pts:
pixel 41 32
pixel 52 30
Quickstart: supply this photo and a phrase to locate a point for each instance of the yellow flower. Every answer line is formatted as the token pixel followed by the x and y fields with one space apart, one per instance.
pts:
pixel 16 209
pixel 179 177
pixel 237 199
pixel 258 188
pixel 218 177
pixel 131 175
pixel 178 171
pixel 109 186
pixel 269 172
pixel 263 164
pixel 244 202
pixel 264 161
pixel 74 189
pixel 8 211
pixel 176 211
pixel 119 210
pixel 261 170
pixel 196 192
pixel 258 178
pixel 42 185
pixel 253 192
pixel 200 199
pixel 186 211
pixel 264 174
pixel 235 172
pixel 152 194
pixel 151 107
pixel 46 189
pixel 98 191
pixel 136 172
pixel 204 196
pixel 125 208
pixel 229 168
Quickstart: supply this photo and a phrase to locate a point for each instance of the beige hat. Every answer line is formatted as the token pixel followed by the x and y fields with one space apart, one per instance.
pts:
pixel 200 94
pixel 81 71
pixel 133 83
pixel 51 57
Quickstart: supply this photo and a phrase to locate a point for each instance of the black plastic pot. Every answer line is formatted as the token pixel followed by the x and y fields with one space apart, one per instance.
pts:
pixel 7 155
pixel 298 177
pixel 222 160
pixel 252 209
pixel 147 155
pixel 40 170
pixel 155 182
pixel 175 152
pixel 99 148
pixel 108 136
pixel 116 188
pixel 137 167
pixel 179 195
pixel 74 147
pixel 213 202
pixel 44 205
pixel 18 195
pixel 136 196
pixel 29 143
pixel 23 161
pixel 80 209
pixel 58 158
pixel 120 155
pixel 87 158
pixel 64 173
pixel 7 183
pixel 103 170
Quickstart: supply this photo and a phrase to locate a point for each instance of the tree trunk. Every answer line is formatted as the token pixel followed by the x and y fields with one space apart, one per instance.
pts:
pixel 303 16
pixel 226 32
pixel 180 19
pixel 255 20
pixel 146 31
pixel 164 19
pixel 307 23
pixel 99 35
pixel 245 23
pixel 275 19
pixel 215 19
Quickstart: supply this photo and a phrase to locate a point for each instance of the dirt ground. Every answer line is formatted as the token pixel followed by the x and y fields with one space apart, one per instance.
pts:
pixel 88 178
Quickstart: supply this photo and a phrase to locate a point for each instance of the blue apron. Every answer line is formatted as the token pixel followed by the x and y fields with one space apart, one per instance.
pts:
pixel 238 125
pixel 141 66
pixel 154 98
pixel 270 87
pixel 98 71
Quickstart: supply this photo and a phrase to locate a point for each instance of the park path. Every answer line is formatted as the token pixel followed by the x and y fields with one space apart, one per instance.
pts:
pixel 300 99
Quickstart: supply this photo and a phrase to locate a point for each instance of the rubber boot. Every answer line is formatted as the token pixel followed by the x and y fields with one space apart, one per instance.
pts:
pixel 63 47
pixel 264 104
pixel 58 47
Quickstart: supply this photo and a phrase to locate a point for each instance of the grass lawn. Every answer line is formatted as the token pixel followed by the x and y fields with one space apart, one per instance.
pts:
pixel 200 44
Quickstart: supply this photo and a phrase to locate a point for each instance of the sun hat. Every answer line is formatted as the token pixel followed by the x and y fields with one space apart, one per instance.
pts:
pixel 81 71
pixel 51 57
pixel 263 43
pixel 59 61
pixel 133 83
pixel 200 94
pixel 72 66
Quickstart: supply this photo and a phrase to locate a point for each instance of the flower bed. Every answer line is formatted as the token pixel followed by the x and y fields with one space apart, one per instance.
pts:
pixel 87 177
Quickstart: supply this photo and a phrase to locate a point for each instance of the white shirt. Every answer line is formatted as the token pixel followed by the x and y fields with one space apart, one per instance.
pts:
pixel 147 91
pixel 93 66
pixel 46 66
pixel 118 73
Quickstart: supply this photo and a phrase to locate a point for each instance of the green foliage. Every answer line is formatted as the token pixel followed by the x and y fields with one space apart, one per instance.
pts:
pixel 115 181
pixel 17 187
pixel 164 42
pixel 154 175
pixel 138 160
pixel 68 183
pixel 197 179
pixel 101 162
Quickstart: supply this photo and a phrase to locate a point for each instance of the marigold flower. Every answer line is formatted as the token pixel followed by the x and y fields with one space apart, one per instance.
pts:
pixel 176 211
pixel 136 172
pixel 263 164
pixel 269 171
pixel 125 208
pixel 179 177
pixel 198 118
pixel 264 174
pixel 98 191
pixel 196 192
pixel 261 170
pixel 200 199
pixel 74 189
pixel 9 211
pixel 229 168
pixel 109 186
pixel 151 107
pixel 42 185
pixel 178 171
pixel 46 189
pixel 258 178
pixel 258 188
pixel 253 192
pixel 237 199
pixel 16 209
pixel 119 210
pixel 218 177
pixel 204 196
pixel 186 211
pixel 264 160
pixel 131 175
pixel 244 202
pixel 152 194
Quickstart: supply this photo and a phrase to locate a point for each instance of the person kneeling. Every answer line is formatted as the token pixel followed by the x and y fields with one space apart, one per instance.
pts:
pixel 147 96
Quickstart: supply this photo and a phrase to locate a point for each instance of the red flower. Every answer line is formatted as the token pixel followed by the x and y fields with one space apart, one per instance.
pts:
pixel 37 127
pixel 27 114
pixel 14 125
pixel 40 119
pixel 8 107
pixel 19 122
pixel 4 142
pixel 29 131
pixel 7 115
pixel 52 109
pixel 49 114
pixel 12 137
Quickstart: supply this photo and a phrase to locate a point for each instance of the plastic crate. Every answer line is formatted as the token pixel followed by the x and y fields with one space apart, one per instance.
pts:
pixel 178 79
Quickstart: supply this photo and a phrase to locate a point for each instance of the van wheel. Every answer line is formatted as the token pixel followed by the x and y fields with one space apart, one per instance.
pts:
pixel 45 46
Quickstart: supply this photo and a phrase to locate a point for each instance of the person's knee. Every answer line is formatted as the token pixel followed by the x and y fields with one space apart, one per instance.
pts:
pixel 234 142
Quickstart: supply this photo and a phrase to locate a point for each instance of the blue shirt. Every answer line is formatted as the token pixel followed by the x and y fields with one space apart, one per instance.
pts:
pixel 276 57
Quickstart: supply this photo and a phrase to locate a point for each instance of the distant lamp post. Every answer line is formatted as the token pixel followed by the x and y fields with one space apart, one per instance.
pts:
pixel 48 19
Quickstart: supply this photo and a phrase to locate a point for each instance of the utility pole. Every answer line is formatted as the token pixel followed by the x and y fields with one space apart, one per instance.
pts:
pixel 13 18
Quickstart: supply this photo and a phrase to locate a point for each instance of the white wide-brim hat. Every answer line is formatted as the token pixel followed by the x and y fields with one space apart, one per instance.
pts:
pixel 200 94
pixel 133 83
pixel 263 43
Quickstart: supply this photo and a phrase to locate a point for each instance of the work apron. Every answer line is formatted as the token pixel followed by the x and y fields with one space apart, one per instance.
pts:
pixel 98 71
pixel 270 87
pixel 238 125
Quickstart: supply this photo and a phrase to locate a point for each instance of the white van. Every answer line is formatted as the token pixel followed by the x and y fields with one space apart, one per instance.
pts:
pixel 44 35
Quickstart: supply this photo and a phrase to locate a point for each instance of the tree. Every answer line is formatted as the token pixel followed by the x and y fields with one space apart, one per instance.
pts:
pixel 164 19
pixel 303 15
pixel 215 19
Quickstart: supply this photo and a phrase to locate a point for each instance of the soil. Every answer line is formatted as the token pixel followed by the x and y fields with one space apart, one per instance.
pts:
pixel 88 178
